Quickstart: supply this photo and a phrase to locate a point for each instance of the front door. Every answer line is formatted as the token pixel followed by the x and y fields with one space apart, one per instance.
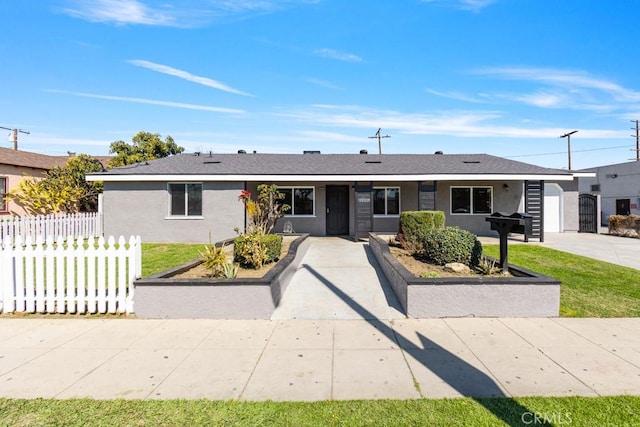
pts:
pixel 623 206
pixel 337 210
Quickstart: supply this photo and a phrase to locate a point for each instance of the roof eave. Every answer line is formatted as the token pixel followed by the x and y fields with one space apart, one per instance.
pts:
pixel 322 178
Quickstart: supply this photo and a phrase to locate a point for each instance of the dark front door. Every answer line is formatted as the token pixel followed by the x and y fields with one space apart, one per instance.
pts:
pixel 337 209
pixel 623 206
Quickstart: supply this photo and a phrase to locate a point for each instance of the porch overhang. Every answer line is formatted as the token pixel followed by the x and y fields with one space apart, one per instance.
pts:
pixel 325 178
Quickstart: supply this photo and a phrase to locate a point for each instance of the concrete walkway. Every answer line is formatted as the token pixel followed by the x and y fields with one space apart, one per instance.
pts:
pixel 317 359
pixel 334 274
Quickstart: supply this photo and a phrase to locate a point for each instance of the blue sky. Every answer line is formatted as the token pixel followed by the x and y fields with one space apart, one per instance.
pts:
pixel 504 77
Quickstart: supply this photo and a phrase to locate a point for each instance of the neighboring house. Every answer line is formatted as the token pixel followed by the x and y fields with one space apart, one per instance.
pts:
pixel 186 197
pixel 16 164
pixel 618 187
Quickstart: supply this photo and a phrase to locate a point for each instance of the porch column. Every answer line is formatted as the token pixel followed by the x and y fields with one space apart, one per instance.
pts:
pixel 427 192
pixel 363 210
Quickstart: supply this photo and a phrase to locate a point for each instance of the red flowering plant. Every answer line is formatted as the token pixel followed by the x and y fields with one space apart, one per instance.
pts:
pixel 264 212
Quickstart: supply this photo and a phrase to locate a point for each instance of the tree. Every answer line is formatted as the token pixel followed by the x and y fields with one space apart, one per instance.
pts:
pixel 62 189
pixel 264 212
pixel 145 146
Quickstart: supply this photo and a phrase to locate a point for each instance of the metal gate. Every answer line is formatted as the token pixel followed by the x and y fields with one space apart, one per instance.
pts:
pixel 588 213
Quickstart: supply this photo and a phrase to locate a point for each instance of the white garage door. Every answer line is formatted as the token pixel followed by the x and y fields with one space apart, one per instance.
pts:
pixel 552 208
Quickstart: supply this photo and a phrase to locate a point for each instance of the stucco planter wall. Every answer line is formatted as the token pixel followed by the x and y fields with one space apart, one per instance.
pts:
pixel 528 294
pixel 162 297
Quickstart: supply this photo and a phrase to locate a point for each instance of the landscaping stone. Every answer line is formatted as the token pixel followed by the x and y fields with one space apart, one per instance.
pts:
pixel 457 267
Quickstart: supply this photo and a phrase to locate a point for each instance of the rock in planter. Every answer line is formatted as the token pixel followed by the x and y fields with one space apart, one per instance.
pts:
pixel 456 267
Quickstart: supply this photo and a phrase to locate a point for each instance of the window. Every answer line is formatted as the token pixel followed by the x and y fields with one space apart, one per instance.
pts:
pixel 386 201
pixel 3 193
pixel 185 199
pixel 301 200
pixel 471 200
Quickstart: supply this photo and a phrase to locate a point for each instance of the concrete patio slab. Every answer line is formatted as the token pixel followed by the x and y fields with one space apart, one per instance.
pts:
pixel 178 333
pixel 410 333
pixel 441 374
pixel 50 333
pixel 372 374
pixel 484 332
pixel 114 334
pixel 303 334
pixel 360 334
pixel 299 375
pixel 53 373
pixel 241 334
pixel 209 374
pixel 130 374
pixel 528 372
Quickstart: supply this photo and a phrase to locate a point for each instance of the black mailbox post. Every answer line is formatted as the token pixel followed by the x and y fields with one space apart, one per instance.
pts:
pixel 519 223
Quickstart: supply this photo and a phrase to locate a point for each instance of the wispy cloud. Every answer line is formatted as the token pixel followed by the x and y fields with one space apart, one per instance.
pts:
pixel 468 5
pixel 150 102
pixel 171 13
pixel 121 12
pixel 566 79
pixel 452 123
pixel 338 55
pixel 323 83
pixel 185 75
pixel 455 95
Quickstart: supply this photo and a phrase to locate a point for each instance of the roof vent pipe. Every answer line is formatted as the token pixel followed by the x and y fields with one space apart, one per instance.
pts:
pixel 438 152
pixel 364 152
pixel 242 152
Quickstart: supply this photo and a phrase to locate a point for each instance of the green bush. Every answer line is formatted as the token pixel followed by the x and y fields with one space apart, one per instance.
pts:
pixel 451 244
pixel 256 249
pixel 414 225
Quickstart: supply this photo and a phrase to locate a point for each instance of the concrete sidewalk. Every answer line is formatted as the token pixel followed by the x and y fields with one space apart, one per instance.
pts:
pixel 317 359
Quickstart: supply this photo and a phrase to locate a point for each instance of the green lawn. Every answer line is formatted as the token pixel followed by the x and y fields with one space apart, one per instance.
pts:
pixel 157 257
pixel 590 288
pixel 575 411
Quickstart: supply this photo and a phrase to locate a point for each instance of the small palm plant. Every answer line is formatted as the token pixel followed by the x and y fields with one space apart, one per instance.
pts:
pixel 214 258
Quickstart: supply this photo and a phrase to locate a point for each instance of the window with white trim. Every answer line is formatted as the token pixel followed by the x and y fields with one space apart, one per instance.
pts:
pixel 386 200
pixel 4 206
pixel 300 199
pixel 471 200
pixel 185 199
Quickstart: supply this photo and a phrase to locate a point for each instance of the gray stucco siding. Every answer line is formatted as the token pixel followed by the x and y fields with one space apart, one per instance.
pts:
pixel 505 199
pixel 142 208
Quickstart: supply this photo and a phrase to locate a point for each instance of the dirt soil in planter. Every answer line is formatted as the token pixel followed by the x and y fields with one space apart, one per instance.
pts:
pixel 422 268
pixel 201 272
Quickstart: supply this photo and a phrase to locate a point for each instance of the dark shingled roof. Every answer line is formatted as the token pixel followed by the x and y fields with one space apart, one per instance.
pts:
pixel 332 164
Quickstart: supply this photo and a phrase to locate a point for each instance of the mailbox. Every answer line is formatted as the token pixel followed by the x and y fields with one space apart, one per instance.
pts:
pixel 519 223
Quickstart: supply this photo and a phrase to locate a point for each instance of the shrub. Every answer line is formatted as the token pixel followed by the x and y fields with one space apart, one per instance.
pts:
pixel 414 225
pixel 624 225
pixel 451 244
pixel 256 249
pixel 214 258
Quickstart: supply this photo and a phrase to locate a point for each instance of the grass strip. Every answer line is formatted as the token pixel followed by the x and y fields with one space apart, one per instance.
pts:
pixel 579 411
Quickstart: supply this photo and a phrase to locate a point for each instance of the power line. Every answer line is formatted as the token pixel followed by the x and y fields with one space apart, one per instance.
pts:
pixel 563 152
pixel 15 135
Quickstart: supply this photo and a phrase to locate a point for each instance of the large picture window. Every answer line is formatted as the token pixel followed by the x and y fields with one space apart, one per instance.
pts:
pixel 185 199
pixel 471 200
pixel 301 200
pixel 3 194
pixel 386 201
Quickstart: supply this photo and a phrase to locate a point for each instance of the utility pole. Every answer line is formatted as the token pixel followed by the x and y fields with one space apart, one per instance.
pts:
pixel 568 136
pixel 15 135
pixel 377 135
pixel 637 135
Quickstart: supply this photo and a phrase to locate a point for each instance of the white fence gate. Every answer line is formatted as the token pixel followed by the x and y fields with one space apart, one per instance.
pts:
pixel 82 275
pixel 78 224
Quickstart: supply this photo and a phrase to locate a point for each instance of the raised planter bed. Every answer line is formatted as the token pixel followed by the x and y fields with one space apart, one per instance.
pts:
pixel 526 294
pixel 161 296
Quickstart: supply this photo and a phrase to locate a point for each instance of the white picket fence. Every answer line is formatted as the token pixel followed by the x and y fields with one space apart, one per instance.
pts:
pixel 78 224
pixel 73 275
